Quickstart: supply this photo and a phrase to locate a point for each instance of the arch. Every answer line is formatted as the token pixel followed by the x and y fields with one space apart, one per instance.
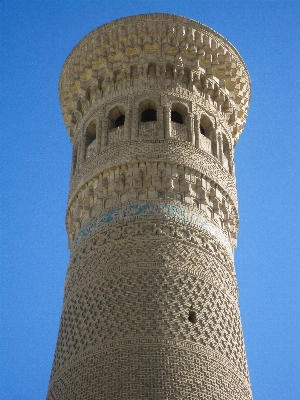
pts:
pixel 116 117
pixel 205 126
pixel 178 113
pixel 207 141
pixel 148 111
pixel 90 137
pixel 90 133
pixel 176 117
pixel 178 129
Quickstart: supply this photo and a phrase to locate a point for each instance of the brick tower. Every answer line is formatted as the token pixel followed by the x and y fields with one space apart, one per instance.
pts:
pixel 154 105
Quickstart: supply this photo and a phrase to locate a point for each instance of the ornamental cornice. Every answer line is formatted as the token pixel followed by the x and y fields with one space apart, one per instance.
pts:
pixel 119 54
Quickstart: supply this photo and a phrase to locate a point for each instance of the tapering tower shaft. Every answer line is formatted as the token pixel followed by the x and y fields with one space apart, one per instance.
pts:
pixel 154 105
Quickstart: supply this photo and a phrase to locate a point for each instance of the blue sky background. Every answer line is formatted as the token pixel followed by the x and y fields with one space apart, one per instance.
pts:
pixel 36 38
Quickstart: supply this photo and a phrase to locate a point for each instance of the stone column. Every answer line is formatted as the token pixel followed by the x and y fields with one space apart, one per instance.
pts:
pixel 220 141
pixel 167 121
pixel 104 138
pixel 135 123
pixel 99 132
pixel 127 124
pixel 190 128
pixel 81 149
pixel 214 137
pixel 197 131
pixel 160 122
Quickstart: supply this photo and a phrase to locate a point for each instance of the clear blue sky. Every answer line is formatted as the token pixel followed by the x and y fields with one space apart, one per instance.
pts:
pixel 36 37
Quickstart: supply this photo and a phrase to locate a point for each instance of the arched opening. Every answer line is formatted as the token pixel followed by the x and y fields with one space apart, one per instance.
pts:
pixel 178 121
pixel 90 133
pixel 147 118
pixel 148 115
pixel 120 121
pixel 176 117
pixel 90 136
pixel 205 126
pixel 205 140
pixel 178 111
pixel 116 121
pixel 202 131
pixel 116 117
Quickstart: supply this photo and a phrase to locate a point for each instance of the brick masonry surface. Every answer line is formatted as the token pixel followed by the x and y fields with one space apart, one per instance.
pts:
pixel 154 105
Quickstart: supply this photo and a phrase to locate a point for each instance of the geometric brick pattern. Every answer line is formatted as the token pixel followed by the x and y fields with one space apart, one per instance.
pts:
pixel 154 105
pixel 142 303
pixel 114 299
pixel 163 368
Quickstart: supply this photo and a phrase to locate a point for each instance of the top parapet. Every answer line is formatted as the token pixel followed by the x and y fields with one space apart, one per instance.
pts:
pixel 201 60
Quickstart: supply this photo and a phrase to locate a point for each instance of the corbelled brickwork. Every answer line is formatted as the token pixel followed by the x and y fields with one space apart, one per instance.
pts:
pixel 154 105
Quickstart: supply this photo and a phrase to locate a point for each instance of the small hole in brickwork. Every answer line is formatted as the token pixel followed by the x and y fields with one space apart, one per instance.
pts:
pixel 192 317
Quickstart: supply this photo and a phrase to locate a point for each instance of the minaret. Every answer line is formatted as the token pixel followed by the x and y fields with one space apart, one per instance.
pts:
pixel 154 105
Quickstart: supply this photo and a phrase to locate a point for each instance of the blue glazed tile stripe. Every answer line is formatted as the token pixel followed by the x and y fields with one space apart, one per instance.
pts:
pixel 164 209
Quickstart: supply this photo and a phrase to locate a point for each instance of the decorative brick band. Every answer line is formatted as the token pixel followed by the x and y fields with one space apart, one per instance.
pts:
pixel 162 209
